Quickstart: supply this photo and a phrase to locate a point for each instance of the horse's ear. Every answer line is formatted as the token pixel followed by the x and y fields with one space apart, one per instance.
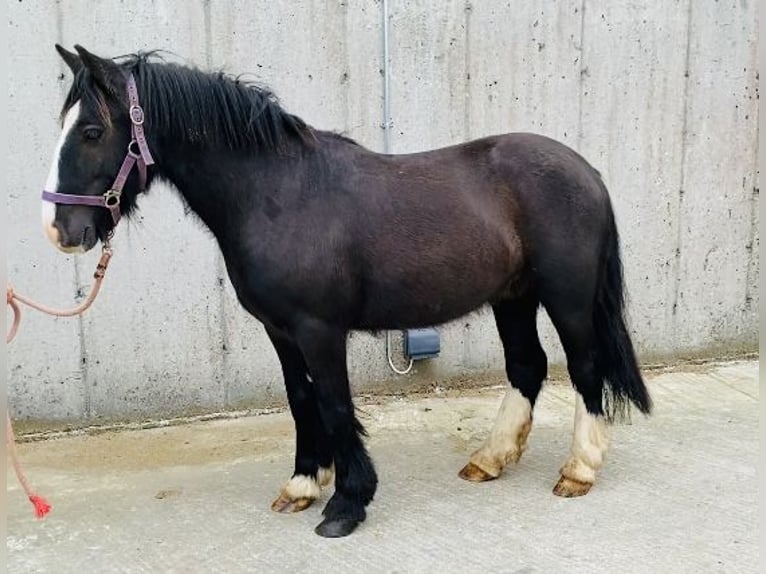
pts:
pixel 70 58
pixel 105 72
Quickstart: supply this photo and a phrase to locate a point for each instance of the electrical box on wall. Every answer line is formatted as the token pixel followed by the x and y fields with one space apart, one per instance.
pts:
pixel 421 343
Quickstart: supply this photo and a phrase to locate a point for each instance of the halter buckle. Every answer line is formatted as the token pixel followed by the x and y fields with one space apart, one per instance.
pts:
pixel 137 115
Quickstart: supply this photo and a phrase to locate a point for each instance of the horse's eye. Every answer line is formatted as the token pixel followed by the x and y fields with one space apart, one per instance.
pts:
pixel 92 133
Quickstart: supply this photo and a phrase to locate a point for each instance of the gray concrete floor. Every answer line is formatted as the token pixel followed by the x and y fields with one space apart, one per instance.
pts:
pixel 678 492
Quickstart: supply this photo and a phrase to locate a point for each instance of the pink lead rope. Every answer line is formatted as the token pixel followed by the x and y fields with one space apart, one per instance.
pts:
pixel 12 300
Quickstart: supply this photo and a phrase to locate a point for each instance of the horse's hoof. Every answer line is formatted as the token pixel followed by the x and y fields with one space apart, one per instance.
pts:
pixel 473 473
pixel 285 504
pixel 336 527
pixel 569 488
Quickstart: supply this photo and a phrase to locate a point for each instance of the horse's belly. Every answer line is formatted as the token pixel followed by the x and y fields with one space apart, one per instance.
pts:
pixel 431 296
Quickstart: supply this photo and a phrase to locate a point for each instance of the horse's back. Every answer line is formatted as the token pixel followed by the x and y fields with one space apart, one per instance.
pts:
pixel 494 171
pixel 492 190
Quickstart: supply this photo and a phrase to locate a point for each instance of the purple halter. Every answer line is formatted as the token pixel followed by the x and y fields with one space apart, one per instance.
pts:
pixel 138 154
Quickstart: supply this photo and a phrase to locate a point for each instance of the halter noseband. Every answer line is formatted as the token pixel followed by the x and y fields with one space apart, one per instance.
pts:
pixel 138 154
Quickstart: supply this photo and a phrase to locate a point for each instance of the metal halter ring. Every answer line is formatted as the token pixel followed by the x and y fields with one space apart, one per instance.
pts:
pixel 112 198
pixel 134 150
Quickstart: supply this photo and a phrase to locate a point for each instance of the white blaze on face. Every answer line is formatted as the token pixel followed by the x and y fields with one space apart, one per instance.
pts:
pixel 52 183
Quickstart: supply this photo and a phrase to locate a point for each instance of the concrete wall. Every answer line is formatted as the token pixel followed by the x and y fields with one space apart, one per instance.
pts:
pixel 660 96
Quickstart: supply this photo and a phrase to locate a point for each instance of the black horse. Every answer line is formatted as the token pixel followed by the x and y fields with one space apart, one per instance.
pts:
pixel 322 236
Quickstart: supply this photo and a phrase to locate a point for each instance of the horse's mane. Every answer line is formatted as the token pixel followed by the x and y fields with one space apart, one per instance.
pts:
pixel 197 107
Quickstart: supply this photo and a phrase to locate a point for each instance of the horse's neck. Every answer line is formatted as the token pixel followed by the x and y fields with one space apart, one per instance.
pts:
pixel 220 186
pixel 205 180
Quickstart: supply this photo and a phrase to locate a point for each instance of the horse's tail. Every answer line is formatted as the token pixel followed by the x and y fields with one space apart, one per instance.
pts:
pixel 615 356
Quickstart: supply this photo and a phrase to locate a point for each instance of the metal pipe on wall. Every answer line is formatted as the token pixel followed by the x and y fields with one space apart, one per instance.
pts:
pixel 387 148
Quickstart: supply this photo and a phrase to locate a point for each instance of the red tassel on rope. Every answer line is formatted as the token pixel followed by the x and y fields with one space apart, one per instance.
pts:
pixel 41 505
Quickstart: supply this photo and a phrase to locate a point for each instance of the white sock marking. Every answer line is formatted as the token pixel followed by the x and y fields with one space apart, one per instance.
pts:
pixel 590 442
pixel 301 486
pixel 508 438
pixel 325 476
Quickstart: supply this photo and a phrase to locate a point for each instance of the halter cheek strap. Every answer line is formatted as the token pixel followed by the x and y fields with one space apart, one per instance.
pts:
pixel 138 154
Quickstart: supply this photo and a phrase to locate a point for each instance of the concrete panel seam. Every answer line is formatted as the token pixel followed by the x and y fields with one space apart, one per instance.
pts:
pixel 581 80
pixel 467 70
pixel 754 194
pixel 79 290
pixel 684 137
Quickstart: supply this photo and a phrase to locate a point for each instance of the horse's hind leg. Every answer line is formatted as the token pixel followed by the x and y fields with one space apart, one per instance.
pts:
pixel 573 319
pixel 313 455
pixel 526 366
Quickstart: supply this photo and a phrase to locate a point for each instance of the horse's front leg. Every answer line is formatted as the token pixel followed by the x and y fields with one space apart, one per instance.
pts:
pixel 324 348
pixel 313 454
